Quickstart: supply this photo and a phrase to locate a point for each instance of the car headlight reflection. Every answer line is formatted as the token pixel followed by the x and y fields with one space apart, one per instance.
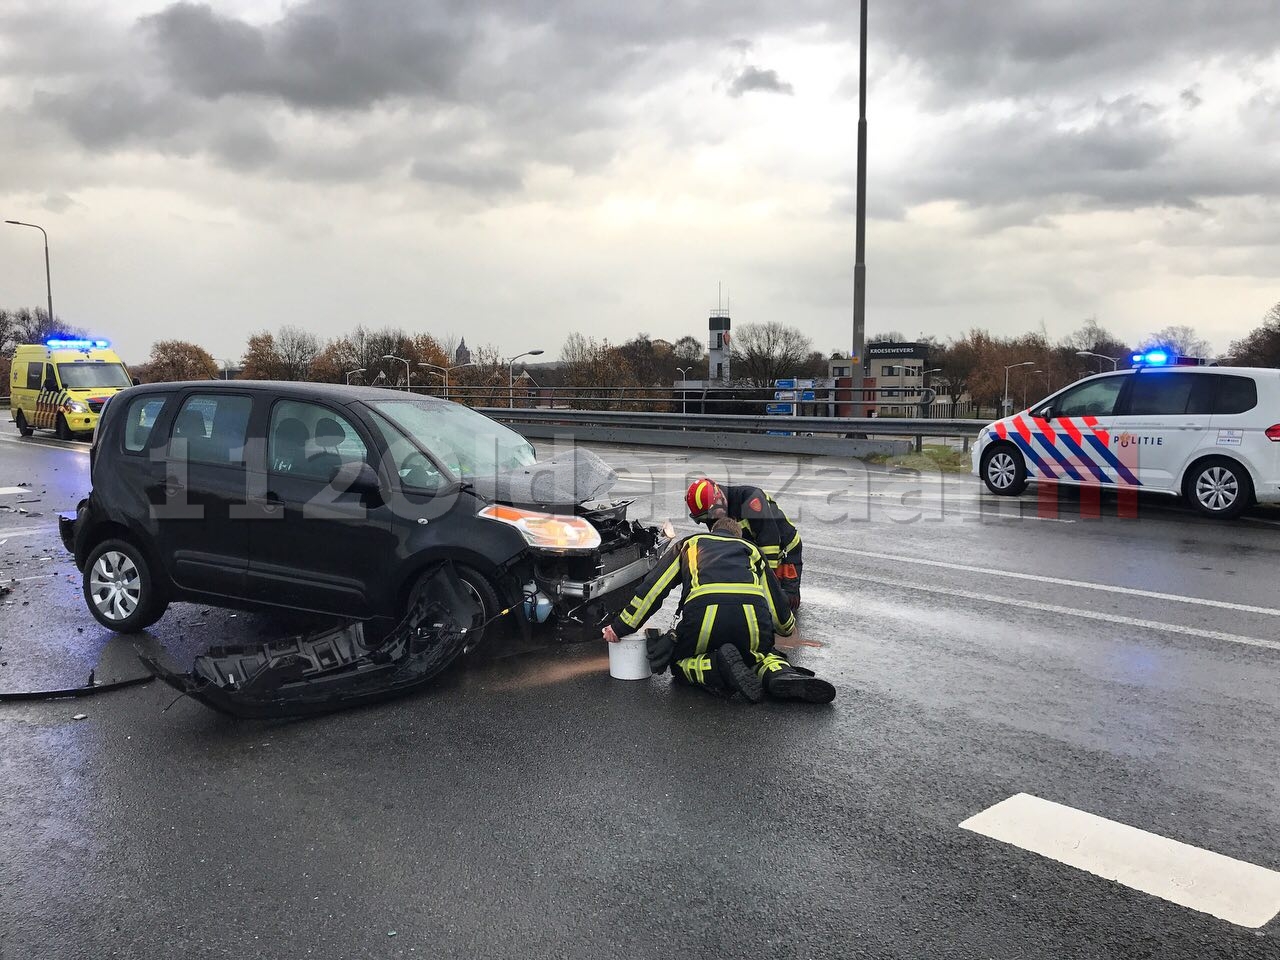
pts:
pixel 76 406
pixel 554 532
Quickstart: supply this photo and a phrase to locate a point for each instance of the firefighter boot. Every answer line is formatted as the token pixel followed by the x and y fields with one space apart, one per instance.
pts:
pixel 782 681
pixel 722 673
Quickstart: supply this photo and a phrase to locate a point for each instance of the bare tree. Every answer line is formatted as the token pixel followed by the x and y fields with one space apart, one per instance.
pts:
pixel 1261 348
pixel 1181 339
pixel 296 350
pixel 763 352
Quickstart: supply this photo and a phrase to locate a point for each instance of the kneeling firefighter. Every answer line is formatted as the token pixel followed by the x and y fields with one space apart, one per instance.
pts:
pixel 731 605
pixel 762 522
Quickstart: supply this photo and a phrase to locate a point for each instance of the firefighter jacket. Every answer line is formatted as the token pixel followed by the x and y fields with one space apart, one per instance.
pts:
pixel 763 522
pixel 710 569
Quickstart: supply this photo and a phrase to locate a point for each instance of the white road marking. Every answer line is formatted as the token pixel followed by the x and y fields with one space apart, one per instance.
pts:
pixel 48 442
pixel 25 532
pixel 1112 619
pixel 1223 887
pixel 1057 581
pixel 13 491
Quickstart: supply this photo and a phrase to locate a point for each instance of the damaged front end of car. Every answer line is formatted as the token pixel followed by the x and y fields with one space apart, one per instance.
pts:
pixel 335 668
pixel 585 555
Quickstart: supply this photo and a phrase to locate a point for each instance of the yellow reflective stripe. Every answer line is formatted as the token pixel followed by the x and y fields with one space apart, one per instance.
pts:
pixel 753 628
pixel 726 589
pixel 704 635
pixel 781 626
pixel 794 543
pixel 769 663
pixel 770 549
pixel 691 550
pixel 646 602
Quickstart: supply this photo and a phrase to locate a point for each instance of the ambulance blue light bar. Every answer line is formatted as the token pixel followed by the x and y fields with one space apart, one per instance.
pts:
pixel 56 344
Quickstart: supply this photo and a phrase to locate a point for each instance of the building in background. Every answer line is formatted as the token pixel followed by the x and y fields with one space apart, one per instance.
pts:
pixel 895 376
pixel 718 346
pixel 462 354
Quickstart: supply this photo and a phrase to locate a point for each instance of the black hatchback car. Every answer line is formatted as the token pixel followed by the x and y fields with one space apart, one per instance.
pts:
pixel 335 500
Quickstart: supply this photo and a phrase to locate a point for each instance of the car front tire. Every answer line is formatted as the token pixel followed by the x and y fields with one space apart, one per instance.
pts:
pixel 1219 488
pixel 1003 470
pixel 63 429
pixel 120 589
pixel 24 428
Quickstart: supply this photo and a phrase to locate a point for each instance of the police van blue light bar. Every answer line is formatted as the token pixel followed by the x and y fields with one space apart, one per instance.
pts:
pixel 56 344
pixel 1152 358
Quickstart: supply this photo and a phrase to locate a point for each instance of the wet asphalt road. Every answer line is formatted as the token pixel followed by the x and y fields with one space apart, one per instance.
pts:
pixel 527 805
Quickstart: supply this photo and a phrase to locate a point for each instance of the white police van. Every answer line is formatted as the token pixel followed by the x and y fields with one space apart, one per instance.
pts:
pixel 1209 434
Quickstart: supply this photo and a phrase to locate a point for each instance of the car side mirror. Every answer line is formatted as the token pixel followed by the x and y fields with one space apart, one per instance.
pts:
pixel 50 384
pixel 358 478
pixel 136 381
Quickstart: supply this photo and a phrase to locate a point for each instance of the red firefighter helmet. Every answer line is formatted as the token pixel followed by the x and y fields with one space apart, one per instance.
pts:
pixel 703 497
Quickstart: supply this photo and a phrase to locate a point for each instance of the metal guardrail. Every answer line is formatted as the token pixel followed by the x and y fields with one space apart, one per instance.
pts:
pixel 841 436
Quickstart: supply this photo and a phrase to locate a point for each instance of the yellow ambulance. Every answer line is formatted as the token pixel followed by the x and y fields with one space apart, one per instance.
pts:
pixel 62 385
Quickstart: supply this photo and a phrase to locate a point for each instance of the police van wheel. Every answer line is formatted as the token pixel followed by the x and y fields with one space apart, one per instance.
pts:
pixel 118 587
pixel 63 430
pixel 1218 487
pixel 23 427
pixel 1003 470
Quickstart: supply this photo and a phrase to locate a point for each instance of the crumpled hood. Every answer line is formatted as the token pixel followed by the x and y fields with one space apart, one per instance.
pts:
pixel 558 482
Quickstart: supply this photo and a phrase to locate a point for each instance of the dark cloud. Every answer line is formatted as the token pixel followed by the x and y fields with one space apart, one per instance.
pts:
pixel 113 114
pixel 318 56
pixel 754 80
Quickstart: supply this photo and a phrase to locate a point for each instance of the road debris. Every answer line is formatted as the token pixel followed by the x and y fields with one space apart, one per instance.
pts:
pixel 80 716
pixel 335 668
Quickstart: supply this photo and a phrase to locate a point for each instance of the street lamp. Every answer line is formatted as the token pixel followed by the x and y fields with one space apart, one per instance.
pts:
pixel 860 228
pixel 445 371
pixel 684 394
pixel 48 284
pixel 1100 356
pixel 1007 368
pixel 350 372
pixel 511 375
pixel 408 378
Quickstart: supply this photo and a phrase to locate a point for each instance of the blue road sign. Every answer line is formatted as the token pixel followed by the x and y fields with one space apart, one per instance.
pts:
pixel 789 384
pixel 779 409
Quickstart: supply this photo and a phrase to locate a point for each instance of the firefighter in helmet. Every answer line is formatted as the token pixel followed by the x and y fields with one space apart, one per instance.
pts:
pixel 762 521
pixel 731 605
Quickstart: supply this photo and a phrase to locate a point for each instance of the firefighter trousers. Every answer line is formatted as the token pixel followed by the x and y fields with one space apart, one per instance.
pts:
pixel 714 622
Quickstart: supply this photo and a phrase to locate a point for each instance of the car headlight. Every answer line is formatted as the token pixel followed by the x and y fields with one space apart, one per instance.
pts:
pixel 554 532
pixel 76 406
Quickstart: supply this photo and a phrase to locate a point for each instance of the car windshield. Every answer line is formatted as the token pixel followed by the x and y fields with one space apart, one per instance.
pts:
pixel 467 443
pixel 95 373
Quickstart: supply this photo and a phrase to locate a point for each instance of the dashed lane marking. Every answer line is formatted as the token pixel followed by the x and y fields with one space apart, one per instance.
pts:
pixel 1223 887
pixel 1056 581
pixel 13 491
pixel 1111 619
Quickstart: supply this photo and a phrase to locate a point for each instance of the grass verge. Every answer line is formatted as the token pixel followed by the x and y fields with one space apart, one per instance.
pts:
pixel 934 457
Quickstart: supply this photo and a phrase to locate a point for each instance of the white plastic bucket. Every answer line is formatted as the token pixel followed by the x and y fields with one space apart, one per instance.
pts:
pixel 629 659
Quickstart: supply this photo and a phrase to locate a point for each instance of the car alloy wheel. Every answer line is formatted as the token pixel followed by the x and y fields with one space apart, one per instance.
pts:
pixel 1001 470
pixel 1217 489
pixel 115 586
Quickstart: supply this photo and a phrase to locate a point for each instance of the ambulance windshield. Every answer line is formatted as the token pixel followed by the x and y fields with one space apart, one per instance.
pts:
pixel 92 375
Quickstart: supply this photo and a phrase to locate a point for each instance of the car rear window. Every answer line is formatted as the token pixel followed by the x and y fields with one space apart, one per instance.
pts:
pixel 1235 394
pixel 1160 394
pixel 140 419
pixel 214 428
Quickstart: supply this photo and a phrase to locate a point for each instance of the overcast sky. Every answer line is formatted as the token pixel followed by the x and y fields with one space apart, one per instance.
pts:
pixel 513 171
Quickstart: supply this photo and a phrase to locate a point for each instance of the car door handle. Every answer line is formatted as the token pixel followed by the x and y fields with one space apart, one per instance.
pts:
pixel 173 486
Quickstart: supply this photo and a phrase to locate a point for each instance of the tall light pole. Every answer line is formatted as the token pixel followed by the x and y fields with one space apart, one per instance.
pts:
pixel 408 375
pixel 48 283
pixel 860 242
pixel 1089 353
pixel 684 394
pixel 511 375
pixel 445 371
pixel 1008 367
pixel 350 372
